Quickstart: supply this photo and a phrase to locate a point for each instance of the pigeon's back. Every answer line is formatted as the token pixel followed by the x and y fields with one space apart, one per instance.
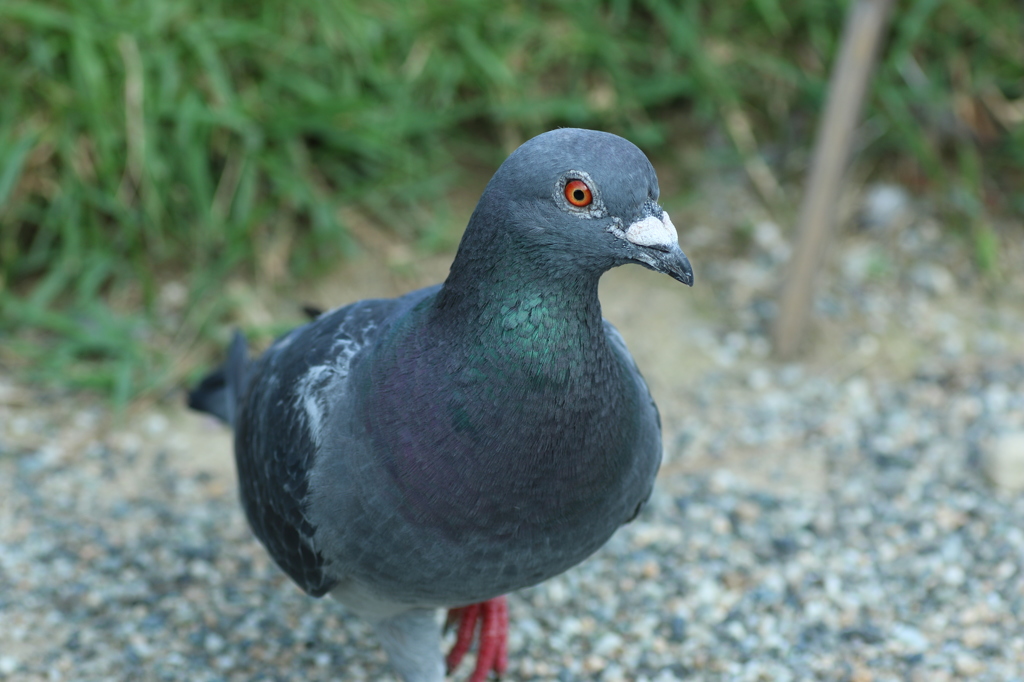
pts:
pixel 277 427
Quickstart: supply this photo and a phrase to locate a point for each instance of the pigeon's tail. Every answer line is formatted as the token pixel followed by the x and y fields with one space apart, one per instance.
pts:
pixel 219 391
pixel 312 312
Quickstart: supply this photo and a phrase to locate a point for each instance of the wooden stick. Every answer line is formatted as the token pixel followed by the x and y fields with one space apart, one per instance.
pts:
pixel 861 34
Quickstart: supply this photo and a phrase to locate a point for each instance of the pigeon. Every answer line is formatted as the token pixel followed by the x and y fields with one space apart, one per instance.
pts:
pixel 442 449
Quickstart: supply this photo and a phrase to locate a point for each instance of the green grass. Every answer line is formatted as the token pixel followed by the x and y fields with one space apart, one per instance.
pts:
pixel 140 140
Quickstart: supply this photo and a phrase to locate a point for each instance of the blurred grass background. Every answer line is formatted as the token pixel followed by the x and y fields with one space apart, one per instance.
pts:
pixel 149 140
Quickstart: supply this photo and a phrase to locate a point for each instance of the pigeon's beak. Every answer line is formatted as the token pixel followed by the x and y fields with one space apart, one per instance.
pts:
pixel 658 246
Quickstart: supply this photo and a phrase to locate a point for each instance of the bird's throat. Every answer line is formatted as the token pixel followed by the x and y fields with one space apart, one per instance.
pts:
pixel 527 321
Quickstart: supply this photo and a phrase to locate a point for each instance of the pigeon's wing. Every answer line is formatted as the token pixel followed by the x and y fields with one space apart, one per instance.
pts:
pixel 650 450
pixel 276 437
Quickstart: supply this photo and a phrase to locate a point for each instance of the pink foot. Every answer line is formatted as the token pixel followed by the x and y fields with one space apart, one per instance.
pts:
pixel 493 650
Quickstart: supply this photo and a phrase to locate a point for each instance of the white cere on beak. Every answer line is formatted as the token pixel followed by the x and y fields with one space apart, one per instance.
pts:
pixel 652 231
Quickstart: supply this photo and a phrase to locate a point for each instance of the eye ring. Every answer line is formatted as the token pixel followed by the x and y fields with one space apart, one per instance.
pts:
pixel 578 193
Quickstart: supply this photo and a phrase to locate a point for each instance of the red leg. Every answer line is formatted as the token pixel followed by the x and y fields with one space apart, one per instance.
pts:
pixel 492 652
pixel 466 617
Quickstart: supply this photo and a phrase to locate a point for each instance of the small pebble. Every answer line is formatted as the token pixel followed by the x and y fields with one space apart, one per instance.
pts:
pixel 8 664
pixel 885 206
pixel 1004 461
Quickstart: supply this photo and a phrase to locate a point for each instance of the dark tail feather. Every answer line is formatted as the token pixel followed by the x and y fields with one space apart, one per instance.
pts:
pixel 210 396
pixel 219 391
pixel 312 312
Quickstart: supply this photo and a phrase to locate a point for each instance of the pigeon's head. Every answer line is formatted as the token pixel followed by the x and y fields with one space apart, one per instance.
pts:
pixel 577 199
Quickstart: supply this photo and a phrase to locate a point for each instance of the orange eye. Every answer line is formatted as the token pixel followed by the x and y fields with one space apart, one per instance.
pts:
pixel 578 194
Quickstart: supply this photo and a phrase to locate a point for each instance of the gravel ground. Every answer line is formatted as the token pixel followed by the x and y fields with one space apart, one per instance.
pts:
pixel 845 518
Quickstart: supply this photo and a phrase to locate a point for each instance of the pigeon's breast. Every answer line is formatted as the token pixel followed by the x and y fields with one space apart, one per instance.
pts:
pixel 495 477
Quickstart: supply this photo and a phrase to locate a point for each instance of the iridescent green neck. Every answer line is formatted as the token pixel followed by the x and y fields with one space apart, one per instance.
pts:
pixel 543 328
